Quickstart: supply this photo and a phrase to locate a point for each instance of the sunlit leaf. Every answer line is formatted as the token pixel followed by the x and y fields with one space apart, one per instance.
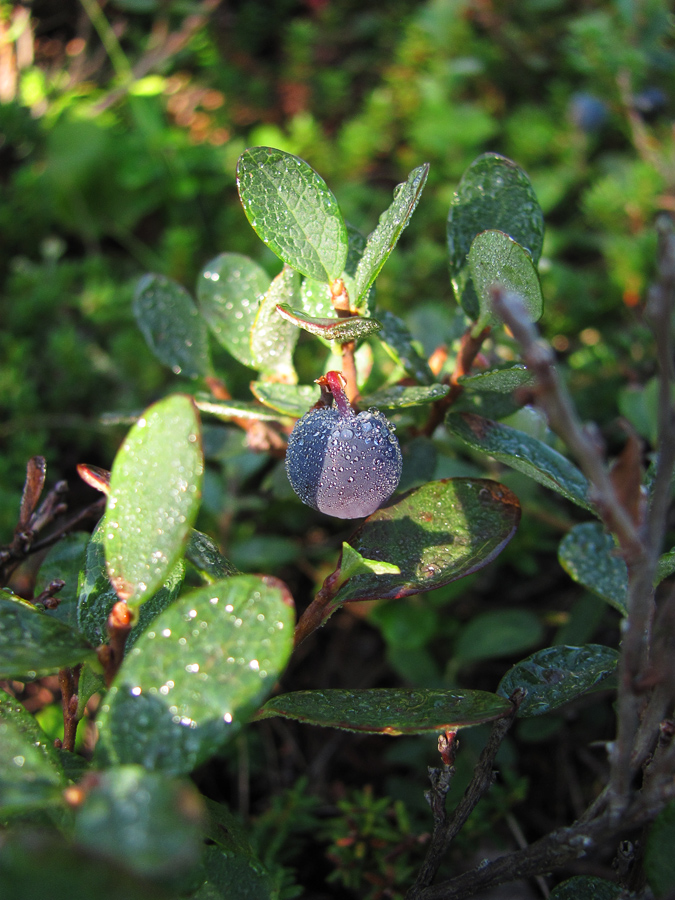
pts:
pixel 155 491
pixel 229 290
pixel 226 410
pixel 172 325
pixel 272 339
pixel 435 533
pixel 590 556
pixel 388 710
pixel 522 452
pixel 351 328
pixel 289 399
pixel 197 674
pixel 385 236
pixel 501 379
pixel 400 397
pixel 292 210
pixel 556 675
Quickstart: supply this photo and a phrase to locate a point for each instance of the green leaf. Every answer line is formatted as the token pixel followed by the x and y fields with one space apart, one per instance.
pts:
pixel 659 857
pixel 229 290
pixel 41 864
pixel 399 397
pixel 589 556
pixel 388 710
pixel 385 237
pixel 665 566
pixel 289 399
pixel 292 210
pixel 33 644
pixel 498 633
pixel 399 344
pixel 234 876
pixel 522 452
pixel 501 379
pixel 495 258
pixel 194 678
pixel 437 533
pixel 556 675
pixel 351 328
pixel 30 773
pixel 586 887
pixel 155 490
pixel 272 339
pixel 150 822
pixel 172 326
pixel 207 559
pixel 226 410
pixel 64 561
pixel 352 563
pixel 97 596
pixel 494 193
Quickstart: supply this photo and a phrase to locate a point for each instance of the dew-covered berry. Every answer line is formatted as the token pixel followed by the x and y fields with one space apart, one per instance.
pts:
pixel 343 464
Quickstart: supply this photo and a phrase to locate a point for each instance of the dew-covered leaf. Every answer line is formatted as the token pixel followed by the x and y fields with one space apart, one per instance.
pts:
pixel 331 328
pixel 501 379
pixel 292 210
pixel 273 339
pixel 64 561
pixel 556 675
pixel 495 258
pixel 522 452
pixel 30 773
pixel 229 290
pixel 155 491
pixel 196 675
pixel 589 555
pixel 227 410
pixel 493 193
pixel 659 858
pixel 398 342
pixel 388 711
pixel 436 534
pixel 400 397
pixel 586 887
pixel 33 643
pixel 235 876
pixel 97 596
pixel 385 236
pixel 500 632
pixel 288 399
pixel 172 325
pixel 207 559
pixel 148 820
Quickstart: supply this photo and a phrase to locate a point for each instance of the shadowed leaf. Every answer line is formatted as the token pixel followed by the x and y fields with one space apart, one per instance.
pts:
pixel 589 555
pixel 399 344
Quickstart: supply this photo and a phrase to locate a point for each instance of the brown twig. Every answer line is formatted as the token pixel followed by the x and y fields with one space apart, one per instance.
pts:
pixel 111 654
pixel 68 682
pixel 340 300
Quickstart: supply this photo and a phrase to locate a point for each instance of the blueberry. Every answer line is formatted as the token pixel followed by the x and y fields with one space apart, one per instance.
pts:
pixel 343 464
pixel 587 112
pixel 650 102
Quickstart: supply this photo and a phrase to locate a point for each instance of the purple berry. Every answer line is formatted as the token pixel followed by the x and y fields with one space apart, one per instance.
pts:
pixel 343 464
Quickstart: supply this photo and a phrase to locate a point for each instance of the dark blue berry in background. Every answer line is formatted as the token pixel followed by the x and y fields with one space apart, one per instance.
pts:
pixel 587 112
pixel 650 102
pixel 344 465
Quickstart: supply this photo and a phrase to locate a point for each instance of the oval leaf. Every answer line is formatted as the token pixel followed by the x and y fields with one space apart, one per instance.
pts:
pixel 501 632
pixel 289 399
pixel 501 379
pixel 229 291
pixel 436 534
pixel 155 489
pixel 556 675
pixel 399 344
pixel 351 328
pixel 272 339
pixel 385 237
pixel 227 410
pixel 207 559
pixel 64 561
pixel 33 643
pixel 586 887
pixel 589 556
pixel 195 676
pixel 30 773
pixel 149 821
pixel 493 193
pixel 495 258
pixel 172 326
pixel 388 710
pixel 399 397
pixel 522 452
pixel 292 210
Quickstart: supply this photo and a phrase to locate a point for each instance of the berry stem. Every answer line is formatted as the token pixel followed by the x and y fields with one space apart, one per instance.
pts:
pixel 336 384
pixel 340 300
